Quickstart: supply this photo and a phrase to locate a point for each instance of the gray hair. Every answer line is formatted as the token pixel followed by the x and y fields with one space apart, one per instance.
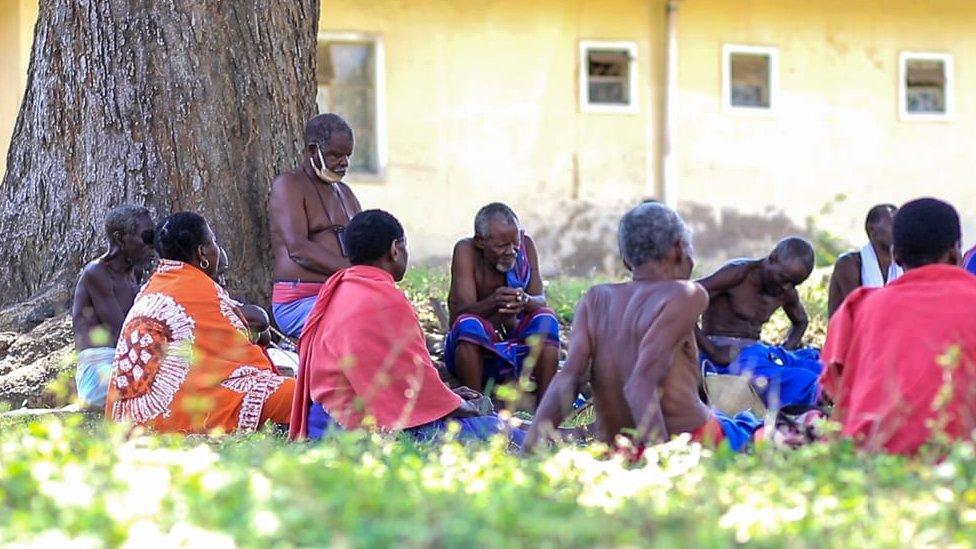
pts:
pixel 486 215
pixel 648 232
pixel 123 219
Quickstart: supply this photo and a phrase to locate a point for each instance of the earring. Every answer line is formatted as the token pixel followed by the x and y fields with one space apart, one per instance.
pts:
pixel 204 264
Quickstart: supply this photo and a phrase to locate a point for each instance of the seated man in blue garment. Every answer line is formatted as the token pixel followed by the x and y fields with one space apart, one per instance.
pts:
pixel 498 309
pixel 743 296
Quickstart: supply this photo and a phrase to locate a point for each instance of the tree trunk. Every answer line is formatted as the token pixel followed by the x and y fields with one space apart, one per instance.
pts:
pixel 172 104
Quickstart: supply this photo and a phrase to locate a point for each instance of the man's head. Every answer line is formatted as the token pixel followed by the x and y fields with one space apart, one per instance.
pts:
pixel 328 146
pixel 376 238
pixel 498 235
pixel 130 229
pixel 788 266
pixel 926 231
pixel 654 233
pixel 879 223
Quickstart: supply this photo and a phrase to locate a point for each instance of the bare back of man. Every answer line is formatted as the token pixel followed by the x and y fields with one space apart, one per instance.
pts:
pixel 624 323
pixel 307 217
pixel 635 343
pixel 103 297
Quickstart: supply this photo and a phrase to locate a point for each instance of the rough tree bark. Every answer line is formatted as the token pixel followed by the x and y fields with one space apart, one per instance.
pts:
pixel 173 104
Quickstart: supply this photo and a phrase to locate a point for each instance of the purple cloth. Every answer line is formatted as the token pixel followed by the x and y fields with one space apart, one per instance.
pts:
pixel 503 358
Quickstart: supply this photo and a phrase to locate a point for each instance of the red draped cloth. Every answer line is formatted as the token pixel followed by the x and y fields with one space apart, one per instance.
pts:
pixel 363 355
pixel 900 361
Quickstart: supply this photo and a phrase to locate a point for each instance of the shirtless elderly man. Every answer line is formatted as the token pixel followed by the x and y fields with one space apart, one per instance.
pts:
pixel 498 307
pixel 309 208
pixel 103 296
pixel 635 342
pixel 743 295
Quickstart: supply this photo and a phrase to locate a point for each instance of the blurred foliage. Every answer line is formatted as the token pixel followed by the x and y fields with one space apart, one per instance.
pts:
pixel 76 480
pixel 64 480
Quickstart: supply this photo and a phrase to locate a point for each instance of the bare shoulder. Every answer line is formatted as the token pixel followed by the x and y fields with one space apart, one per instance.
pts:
pixel 286 181
pixel 464 248
pixel 687 292
pixel 848 260
pixel 95 271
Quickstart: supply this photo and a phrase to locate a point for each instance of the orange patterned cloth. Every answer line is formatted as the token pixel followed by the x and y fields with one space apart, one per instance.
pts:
pixel 184 363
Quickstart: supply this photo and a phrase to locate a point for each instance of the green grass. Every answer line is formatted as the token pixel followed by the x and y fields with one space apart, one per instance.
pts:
pixel 63 479
pixel 79 479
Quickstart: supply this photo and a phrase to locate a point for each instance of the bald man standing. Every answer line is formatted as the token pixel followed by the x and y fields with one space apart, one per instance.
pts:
pixel 309 208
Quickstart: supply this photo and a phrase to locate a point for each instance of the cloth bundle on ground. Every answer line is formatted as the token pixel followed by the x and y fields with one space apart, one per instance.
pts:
pixel 505 354
pixel 93 374
pixel 737 430
pixel 902 359
pixel 364 358
pixel 183 362
pixel 780 377
pixel 290 304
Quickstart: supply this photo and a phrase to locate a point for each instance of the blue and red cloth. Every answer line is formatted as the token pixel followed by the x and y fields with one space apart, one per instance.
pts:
pixel 780 377
pixel 503 358
pixel 504 355
pixel 291 302
pixel 480 428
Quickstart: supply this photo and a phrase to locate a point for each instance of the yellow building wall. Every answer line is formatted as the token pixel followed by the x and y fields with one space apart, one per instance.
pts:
pixel 837 128
pixel 482 104
pixel 17 19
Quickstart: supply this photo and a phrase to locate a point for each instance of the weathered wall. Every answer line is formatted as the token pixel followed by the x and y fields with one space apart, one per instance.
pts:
pixel 482 105
pixel 17 19
pixel 837 128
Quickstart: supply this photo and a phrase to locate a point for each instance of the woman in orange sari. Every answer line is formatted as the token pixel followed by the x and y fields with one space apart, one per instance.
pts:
pixel 184 362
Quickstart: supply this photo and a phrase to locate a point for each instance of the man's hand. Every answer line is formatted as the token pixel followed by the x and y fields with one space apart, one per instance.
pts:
pixel 468 408
pixel 467 393
pixel 509 301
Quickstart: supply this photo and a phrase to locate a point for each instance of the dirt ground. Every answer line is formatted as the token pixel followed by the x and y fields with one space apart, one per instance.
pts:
pixel 36 368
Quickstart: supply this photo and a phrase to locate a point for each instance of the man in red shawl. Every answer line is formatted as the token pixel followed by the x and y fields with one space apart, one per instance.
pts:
pixel 900 361
pixel 364 359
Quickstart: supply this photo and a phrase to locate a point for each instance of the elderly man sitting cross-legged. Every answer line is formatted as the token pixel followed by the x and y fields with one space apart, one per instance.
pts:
pixel 364 359
pixel 635 343
pixel 498 310
pixel 104 294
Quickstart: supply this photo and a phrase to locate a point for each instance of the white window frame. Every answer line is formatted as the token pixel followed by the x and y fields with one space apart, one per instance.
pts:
pixel 380 127
pixel 584 74
pixel 903 59
pixel 773 53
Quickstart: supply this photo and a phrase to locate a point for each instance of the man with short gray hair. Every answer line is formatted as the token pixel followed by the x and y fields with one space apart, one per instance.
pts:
pixel 104 294
pixel 498 307
pixel 635 343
